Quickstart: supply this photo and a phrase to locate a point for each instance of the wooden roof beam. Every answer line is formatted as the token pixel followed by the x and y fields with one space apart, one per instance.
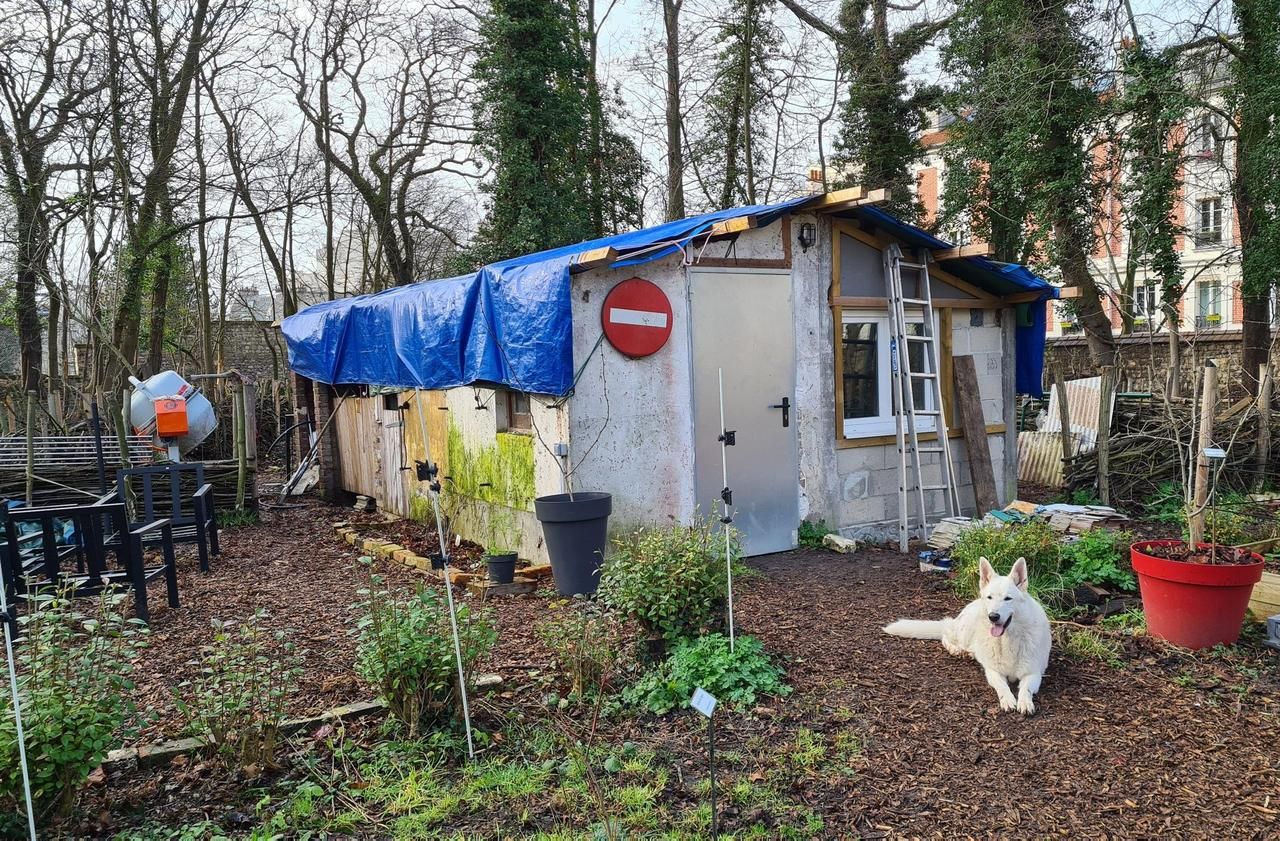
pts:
pixel 835 205
pixel 977 249
pixel 596 258
pixel 736 225
pixel 1064 292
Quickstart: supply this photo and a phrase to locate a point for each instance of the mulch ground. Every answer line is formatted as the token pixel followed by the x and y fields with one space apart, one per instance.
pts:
pixel 1170 745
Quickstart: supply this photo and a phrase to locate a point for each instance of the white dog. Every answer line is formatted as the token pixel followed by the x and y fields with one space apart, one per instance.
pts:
pixel 1005 629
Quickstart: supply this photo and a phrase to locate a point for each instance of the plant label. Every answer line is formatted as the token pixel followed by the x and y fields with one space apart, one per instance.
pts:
pixel 703 701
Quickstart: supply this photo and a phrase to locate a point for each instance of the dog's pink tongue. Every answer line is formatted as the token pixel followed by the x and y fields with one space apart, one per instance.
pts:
pixel 997 630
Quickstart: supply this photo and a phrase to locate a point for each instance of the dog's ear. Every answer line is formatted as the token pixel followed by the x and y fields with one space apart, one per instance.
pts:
pixel 1019 574
pixel 985 572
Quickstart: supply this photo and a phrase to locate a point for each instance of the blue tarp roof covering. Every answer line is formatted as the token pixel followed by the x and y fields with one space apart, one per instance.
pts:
pixel 510 323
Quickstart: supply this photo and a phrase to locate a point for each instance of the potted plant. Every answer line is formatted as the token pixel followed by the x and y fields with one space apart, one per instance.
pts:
pixel 1195 598
pixel 500 559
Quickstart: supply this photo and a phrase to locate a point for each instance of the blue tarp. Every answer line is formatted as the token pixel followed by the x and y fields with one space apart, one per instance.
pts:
pixel 510 323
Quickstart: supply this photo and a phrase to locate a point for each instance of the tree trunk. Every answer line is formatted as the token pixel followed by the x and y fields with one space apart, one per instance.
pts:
pixel 675 120
pixel 1074 264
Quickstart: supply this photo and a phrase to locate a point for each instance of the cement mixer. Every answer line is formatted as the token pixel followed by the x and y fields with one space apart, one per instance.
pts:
pixel 172 411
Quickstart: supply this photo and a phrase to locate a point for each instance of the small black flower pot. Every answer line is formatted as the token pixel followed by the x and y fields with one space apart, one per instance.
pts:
pixel 437 560
pixel 502 568
pixel 576 528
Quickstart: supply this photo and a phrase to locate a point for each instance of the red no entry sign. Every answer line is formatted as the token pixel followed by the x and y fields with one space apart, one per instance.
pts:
pixel 636 317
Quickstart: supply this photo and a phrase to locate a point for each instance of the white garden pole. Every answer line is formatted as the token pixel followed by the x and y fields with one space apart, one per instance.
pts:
pixel 433 491
pixel 17 710
pixel 726 495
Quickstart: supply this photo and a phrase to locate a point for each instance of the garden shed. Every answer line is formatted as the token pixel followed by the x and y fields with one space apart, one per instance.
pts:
pixel 599 367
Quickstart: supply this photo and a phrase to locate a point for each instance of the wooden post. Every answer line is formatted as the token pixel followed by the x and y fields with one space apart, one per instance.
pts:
pixel 1264 424
pixel 1200 490
pixel 1105 391
pixel 31 446
pixel 1064 417
pixel 969 407
pixel 238 430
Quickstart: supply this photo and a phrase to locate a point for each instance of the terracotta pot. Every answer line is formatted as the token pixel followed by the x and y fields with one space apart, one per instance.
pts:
pixel 1193 605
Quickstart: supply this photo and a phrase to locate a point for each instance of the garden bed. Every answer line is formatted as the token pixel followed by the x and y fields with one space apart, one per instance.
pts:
pixel 881 737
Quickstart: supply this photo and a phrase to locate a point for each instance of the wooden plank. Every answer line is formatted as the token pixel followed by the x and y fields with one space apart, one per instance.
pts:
pixel 879 196
pixel 835 197
pixel 975 249
pixel 1064 292
pixel 939 304
pixel 594 259
pixel 892 440
pixel 736 225
pixel 969 408
pixel 1265 600
pixel 946 365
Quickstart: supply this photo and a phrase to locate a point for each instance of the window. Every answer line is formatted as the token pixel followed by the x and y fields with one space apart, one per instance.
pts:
pixel 1209 221
pixel 1209 304
pixel 1146 303
pixel 516 413
pixel 867 380
pixel 1208 139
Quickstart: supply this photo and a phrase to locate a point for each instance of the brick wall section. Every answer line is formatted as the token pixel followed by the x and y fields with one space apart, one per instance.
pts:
pixel 1144 360
pixel 327 444
pixel 254 348
pixel 927 183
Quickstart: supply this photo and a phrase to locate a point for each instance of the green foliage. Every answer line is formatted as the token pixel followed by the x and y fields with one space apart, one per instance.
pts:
pixel 238 701
pixel 406 649
pixel 1099 557
pixel 75 692
pixel 1254 97
pixel 544 125
pixel 1167 505
pixel 879 144
pixel 670 579
pixel 234 518
pixel 1019 161
pixel 735 678
pixel 1002 545
pixel 585 644
pixel 1087 644
pixel 810 534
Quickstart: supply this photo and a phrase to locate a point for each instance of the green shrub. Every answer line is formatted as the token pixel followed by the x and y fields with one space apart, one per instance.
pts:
pixel 1002 545
pixel 238 701
pixel 1099 557
pixel 671 580
pixel 810 534
pixel 406 649
pixel 735 678
pixel 74 689
pixel 1167 504
pixel 585 644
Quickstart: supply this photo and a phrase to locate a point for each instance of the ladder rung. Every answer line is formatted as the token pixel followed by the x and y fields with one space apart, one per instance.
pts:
pixel 919 302
pixel 928 449
pixel 920 338
pixel 912 265
pixel 935 487
pixel 931 412
pixel 924 375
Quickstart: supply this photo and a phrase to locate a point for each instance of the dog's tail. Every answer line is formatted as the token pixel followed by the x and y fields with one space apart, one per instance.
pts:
pixel 918 629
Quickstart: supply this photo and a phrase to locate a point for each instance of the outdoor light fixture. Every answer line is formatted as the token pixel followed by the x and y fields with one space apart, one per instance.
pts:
pixel 808 235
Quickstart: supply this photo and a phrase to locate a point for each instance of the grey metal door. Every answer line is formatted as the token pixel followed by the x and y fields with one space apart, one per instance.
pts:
pixel 742 324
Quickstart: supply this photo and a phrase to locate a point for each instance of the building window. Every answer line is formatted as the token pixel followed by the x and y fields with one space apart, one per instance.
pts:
pixel 1146 304
pixel 516 412
pixel 867 376
pixel 1209 221
pixel 1208 140
pixel 1209 304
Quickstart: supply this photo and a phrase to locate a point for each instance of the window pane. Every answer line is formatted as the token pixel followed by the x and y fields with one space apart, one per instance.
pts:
pixel 915 353
pixel 861 382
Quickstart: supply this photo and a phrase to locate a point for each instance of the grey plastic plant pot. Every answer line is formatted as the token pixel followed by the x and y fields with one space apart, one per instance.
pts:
pixel 502 568
pixel 576 528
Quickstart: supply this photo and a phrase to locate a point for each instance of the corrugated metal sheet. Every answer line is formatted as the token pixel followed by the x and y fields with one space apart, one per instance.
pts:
pixel 1083 398
pixel 1040 457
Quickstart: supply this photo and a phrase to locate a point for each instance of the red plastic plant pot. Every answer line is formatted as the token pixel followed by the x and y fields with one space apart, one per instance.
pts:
pixel 1193 605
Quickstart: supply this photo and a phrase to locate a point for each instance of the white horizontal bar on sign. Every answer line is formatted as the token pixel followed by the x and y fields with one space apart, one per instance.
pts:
pixel 638 318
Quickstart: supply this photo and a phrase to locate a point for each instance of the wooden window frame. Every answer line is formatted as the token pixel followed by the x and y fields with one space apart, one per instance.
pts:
pixel 510 419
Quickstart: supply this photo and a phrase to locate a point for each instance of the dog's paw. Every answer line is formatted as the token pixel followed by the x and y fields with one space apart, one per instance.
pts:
pixel 1008 703
pixel 1026 706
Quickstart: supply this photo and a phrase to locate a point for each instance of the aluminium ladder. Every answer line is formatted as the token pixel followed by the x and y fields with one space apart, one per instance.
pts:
pixel 911 482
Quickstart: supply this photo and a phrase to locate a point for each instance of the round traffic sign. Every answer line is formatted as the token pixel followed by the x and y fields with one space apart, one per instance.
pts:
pixel 636 317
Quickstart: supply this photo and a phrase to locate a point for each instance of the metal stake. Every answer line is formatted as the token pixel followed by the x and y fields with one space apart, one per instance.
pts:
pixel 711 762
pixel 433 490
pixel 6 619
pixel 727 439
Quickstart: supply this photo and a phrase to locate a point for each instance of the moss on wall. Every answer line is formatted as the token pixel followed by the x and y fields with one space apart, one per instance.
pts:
pixel 500 474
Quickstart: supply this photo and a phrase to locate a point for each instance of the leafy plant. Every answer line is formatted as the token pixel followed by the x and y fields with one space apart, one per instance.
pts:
pixel 406 649
pixel 810 534
pixel 1167 505
pixel 1002 545
pixel 75 692
pixel 232 518
pixel 239 699
pixel 735 678
pixel 585 643
pixel 500 528
pixel 671 580
pixel 1099 557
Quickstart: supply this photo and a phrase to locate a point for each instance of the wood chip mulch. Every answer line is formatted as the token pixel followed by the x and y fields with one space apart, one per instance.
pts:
pixel 1170 745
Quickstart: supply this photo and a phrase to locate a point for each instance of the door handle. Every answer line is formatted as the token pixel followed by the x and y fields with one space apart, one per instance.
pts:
pixel 785 406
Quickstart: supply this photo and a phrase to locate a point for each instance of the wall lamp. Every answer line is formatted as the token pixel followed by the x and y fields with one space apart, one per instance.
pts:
pixel 808 235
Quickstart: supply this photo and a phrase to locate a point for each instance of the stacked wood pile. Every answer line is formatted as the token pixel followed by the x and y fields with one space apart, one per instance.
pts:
pixel 1149 447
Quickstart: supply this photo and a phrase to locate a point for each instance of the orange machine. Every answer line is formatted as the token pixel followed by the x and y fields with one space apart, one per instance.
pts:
pixel 171 417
